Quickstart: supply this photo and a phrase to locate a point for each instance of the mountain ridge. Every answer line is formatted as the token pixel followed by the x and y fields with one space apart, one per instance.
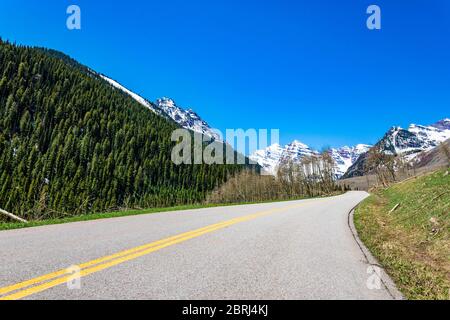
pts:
pixel 406 142
pixel 164 106
pixel 186 118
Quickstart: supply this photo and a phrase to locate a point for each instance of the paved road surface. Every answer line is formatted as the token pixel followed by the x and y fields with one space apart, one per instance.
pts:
pixel 288 250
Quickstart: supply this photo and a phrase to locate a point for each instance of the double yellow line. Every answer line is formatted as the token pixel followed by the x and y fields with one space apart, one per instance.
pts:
pixel 45 282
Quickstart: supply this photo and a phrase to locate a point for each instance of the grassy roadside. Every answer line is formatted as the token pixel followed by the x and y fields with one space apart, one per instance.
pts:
pixel 413 241
pixel 124 213
pixel 95 216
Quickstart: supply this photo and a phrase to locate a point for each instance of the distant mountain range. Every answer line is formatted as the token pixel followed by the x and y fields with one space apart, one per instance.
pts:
pixel 349 160
pixel 270 158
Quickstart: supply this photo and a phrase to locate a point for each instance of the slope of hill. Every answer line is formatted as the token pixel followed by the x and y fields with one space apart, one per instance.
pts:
pixel 436 157
pixel 70 143
pixel 412 242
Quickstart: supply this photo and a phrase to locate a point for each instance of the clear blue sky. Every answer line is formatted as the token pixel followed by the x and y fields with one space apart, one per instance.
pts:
pixel 310 68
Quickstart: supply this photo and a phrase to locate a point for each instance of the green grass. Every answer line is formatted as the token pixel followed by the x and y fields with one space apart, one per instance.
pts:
pixel 95 216
pixel 124 213
pixel 412 242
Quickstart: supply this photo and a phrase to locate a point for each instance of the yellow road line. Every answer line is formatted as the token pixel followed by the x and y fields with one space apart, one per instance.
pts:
pixel 121 257
pixel 62 272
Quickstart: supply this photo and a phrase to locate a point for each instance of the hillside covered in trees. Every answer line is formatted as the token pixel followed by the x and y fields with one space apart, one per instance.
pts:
pixel 71 144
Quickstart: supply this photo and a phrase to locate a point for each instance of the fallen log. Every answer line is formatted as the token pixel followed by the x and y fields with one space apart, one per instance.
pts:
pixel 12 216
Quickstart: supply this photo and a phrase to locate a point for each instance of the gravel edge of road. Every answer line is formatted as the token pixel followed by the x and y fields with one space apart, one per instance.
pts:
pixel 386 280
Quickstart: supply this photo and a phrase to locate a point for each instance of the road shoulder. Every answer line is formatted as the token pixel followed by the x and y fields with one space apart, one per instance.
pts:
pixel 386 280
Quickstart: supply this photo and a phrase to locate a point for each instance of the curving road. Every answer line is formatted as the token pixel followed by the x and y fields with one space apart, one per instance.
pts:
pixel 287 250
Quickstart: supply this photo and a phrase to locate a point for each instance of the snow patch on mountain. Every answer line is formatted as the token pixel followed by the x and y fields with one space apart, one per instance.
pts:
pixel 417 138
pixel 135 96
pixel 346 156
pixel 431 136
pixel 269 158
pixel 296 151
pixel 186 118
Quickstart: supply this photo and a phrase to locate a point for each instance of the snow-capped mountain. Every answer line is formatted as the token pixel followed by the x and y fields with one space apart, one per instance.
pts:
pixel 417 138
pixel 186 118
pixel 345 157
pixel 431 136
pixel 296 151
pixel 270 158
pixel 407 142
pixel 167 107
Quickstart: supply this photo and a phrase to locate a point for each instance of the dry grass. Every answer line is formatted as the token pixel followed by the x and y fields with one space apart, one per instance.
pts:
pixel 412 242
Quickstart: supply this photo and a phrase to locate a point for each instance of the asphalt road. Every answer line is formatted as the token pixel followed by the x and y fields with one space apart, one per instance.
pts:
pixel 287 250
